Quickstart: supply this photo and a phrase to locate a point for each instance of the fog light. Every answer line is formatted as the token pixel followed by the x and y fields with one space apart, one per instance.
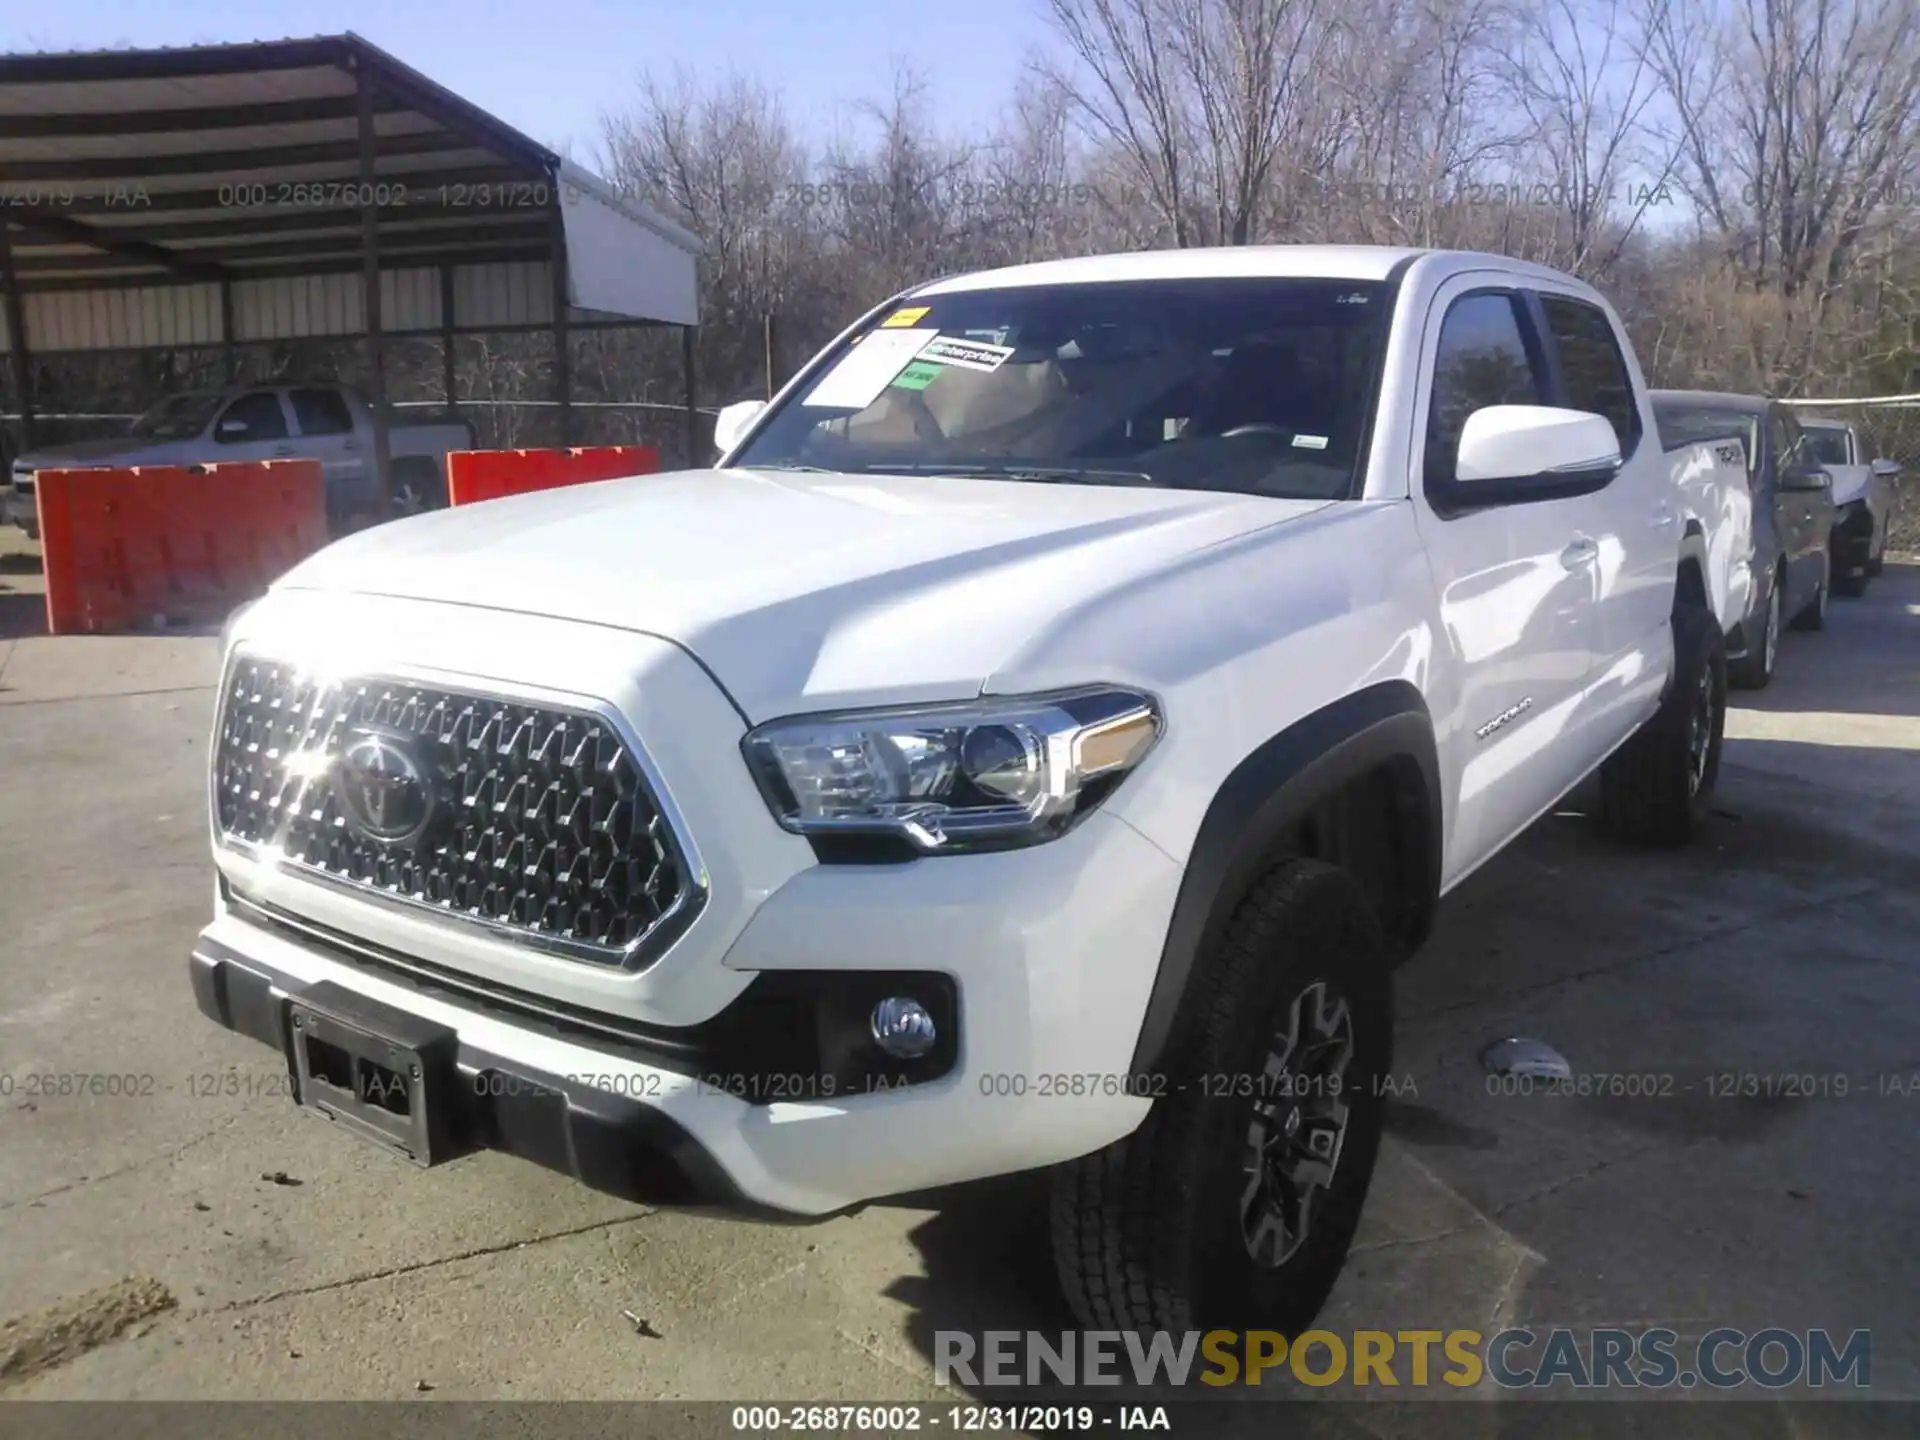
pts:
pixel 903 1028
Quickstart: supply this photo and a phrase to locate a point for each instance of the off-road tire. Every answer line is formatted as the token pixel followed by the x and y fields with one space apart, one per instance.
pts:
pixel 1147 1233
pixel 1655 790
pixel 418 486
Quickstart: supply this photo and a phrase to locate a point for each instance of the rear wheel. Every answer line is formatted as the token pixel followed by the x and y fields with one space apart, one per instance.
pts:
pixel 417 486
pixel 1655 789
pixel 1234 1203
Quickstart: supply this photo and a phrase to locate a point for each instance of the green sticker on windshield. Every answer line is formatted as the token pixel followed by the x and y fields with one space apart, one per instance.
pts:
pixel 917 376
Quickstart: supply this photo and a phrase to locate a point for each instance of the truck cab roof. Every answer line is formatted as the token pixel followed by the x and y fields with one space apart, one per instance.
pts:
pixel 1334 262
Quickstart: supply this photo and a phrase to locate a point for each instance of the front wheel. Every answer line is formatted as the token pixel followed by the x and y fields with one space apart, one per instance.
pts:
pixel 1234 1203
pixel 1656 788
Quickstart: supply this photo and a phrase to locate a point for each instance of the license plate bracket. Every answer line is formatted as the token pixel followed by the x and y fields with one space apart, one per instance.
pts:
pixel 382 1073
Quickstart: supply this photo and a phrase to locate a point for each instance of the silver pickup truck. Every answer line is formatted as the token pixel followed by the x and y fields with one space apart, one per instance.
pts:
pixel 323 422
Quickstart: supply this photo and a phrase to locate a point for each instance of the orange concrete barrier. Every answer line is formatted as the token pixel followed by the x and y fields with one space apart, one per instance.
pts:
pixel 120 547
pixel 474 475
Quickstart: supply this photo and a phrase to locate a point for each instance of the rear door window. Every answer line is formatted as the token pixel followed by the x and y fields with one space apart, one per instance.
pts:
pixel 254 416
pixel 1593 372
pixel 321 412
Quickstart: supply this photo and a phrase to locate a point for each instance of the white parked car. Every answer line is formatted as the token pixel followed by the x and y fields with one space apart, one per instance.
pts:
pixel 323 422
pixel 1863 497
pixel 1032 746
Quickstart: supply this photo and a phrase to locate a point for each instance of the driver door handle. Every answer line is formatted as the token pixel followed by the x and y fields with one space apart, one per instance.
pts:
pixel 280 450
pixel 1580 553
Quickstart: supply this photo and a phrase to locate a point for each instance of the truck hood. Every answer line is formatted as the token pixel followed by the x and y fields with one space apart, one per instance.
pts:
pixel 86 452
pixel 800 590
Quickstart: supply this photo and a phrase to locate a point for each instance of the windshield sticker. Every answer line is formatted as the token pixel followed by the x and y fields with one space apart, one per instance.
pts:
pixel 967 354
pixel 868 368
pixel 1309 442
pixel 901 319
pixel 917 376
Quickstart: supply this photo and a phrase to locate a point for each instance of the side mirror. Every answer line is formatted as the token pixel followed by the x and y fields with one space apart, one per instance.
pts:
pixel 1886 469
pixel 1522 442
pixel 1804 477
pixel 232 427
pixel 734 421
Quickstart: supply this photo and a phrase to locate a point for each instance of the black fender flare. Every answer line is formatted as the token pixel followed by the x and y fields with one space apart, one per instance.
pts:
pixel 1267 794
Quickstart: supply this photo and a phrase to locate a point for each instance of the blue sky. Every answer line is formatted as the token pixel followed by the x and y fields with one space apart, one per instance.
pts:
pixel 553 67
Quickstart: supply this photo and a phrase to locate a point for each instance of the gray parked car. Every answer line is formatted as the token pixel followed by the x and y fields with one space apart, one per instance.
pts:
pixel 1793 514
pixel 314 421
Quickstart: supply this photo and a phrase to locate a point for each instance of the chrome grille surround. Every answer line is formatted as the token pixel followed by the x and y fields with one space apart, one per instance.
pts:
pixel 558 833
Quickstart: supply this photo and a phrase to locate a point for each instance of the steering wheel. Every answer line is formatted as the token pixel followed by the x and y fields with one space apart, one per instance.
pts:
pixel 1256 428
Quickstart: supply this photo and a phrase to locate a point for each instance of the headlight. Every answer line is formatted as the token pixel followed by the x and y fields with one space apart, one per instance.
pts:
pixel 986 774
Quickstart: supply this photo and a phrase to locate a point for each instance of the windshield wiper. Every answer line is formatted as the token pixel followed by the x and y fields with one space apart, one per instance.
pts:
pixel 1042 474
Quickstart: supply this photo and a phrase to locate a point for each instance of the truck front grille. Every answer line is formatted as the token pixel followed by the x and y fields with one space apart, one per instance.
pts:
pixel 534 821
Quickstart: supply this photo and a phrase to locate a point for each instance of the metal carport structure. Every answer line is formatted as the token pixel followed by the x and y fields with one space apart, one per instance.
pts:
pixel 294 189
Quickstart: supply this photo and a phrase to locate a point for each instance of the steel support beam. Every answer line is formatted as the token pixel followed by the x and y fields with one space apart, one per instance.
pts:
pixel 229 359
pixel 447 349
pixel 370 288
pixel 19 357
pixel 562 336
pixel 687 334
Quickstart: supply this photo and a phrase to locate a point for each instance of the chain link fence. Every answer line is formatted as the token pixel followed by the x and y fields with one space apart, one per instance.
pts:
pixel 1889 427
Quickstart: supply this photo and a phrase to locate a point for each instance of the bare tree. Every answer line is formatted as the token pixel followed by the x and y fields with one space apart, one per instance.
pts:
pixel 1125 90
pixel 1795 119
pixel 1585 83
pixel 893 201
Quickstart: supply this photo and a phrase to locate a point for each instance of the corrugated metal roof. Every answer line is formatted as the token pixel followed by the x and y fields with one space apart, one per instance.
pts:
pixel 216 164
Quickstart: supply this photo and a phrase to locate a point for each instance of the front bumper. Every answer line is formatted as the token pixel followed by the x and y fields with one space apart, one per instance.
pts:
pixel 604 1139
pixel 1047 956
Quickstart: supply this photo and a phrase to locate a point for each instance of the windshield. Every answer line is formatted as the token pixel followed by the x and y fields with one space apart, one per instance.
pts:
pixel 1691 424
pixel 1825 444
pixel 1263 386
pixel 178 417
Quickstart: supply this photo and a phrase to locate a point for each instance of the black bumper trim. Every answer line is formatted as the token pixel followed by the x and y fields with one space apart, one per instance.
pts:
pixel 607 1141
pixel 786 1025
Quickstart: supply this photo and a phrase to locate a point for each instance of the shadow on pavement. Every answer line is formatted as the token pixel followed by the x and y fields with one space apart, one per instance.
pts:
pixel 1764 978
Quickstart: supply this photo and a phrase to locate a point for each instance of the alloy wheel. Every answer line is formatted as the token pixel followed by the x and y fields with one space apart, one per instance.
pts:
pixel 1299 1126
pixel 1700 732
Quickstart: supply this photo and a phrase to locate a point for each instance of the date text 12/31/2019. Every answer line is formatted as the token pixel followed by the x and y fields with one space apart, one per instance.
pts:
pixel 966 1419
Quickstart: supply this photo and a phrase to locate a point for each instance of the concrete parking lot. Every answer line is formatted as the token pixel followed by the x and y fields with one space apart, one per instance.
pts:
pixel 259 1254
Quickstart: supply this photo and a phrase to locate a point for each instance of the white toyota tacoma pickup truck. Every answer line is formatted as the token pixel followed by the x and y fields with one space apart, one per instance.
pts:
pixel 1032 746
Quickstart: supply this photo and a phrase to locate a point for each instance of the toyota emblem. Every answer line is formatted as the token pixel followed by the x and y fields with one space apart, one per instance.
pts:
pixel 384 790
